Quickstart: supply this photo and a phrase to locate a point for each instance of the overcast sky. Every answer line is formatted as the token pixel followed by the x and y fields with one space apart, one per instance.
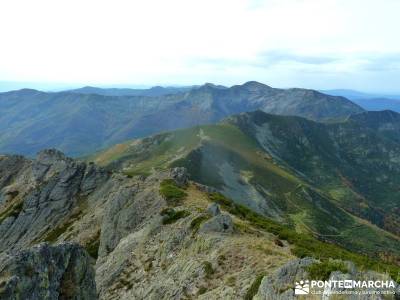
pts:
pixel 321 44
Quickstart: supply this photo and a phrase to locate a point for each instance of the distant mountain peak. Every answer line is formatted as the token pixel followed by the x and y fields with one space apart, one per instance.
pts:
pixel 24 92
pixel 255 84
pixel 209 85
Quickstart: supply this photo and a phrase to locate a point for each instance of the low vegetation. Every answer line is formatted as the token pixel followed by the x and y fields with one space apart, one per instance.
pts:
pixel 322 270
pixel 172 193
pixel 170 215
pixel 12 211
pixel 303 244
pixel 57 231
pixel 196 222
pixel 208 269
pixel 252 291
pixel 92 247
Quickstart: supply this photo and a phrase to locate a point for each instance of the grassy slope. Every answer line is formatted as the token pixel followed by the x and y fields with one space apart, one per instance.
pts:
pixel 356 165
pixel 203 149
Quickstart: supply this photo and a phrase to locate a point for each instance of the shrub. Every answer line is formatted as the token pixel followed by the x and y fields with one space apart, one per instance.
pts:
pixel 278 242
pixel 305 244
pixel 12 211
pixel 322 271
pixel 252 291
pixel 171 216
pixel 172 193
pixel 196 222
pixel 92 247
pixel 220 199
pixel 208 269
pixel 202 290
pixel 53 235
pixel 221 259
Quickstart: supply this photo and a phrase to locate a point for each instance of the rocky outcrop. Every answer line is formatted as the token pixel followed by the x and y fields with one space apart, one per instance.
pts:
pixel 48 190
pixel 10 167
pixel 213 209
pixel 280 284
pixel 142 245
pixel 362 275
pixel 47 272
pixel 128 205
pixel 180 176
pixel 219 223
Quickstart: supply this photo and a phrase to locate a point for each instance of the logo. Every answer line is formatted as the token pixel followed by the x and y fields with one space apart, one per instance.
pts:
pixel 302 288
pixel 348 287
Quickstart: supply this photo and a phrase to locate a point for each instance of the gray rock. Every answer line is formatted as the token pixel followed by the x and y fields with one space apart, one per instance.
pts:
pixel 219 223
pixel 48 163
pixel 47 272
pixel 58 186
pixel 280 284
pixel 213 209
pixel 205 188
pixel 10 167
pixel 180 176
pixel 354 274
pixel 129 204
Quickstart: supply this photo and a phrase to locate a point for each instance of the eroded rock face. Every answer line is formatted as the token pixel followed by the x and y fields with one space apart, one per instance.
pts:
pixel 46 191
pixel 119 220
pixel 47 272
pixel 128 205
pixel 10 167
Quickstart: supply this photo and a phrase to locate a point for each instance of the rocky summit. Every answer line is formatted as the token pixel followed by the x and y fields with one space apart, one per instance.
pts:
pixel 73 230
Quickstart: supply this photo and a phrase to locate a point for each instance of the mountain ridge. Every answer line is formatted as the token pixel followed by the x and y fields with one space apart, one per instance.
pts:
pixel 277 165
pixel 158 236
pixel 79 124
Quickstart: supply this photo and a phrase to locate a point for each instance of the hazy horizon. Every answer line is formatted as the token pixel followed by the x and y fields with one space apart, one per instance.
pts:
pixel 57 87
pixel 332 44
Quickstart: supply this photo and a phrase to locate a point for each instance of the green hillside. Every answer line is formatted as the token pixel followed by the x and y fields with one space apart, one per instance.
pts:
pixel 323 179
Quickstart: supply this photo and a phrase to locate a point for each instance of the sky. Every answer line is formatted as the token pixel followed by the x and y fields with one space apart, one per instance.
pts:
pixel 321 44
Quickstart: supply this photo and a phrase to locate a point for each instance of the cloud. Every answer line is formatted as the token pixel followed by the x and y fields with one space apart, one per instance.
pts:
pixel 272 57
pixel 280 42
pixel 381 62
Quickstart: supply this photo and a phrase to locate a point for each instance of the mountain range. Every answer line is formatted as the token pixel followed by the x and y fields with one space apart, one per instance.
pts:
pixel 205 192
pixel 151 92
pixel 80 122
pixel 374 102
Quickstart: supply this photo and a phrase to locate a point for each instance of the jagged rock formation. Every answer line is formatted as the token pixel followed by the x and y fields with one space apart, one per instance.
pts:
pixel 119 221
pixel 47 272
pixel 45 192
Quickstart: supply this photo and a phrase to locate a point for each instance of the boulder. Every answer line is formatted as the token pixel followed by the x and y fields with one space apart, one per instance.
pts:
pixel 47 272
pixel 180 176
pixel 219 223
pixel 213 209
